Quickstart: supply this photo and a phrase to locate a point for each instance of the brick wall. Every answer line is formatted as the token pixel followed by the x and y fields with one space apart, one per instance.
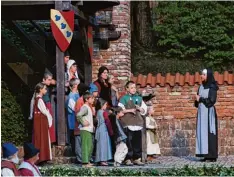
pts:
pixel 118 57
pixel 176 116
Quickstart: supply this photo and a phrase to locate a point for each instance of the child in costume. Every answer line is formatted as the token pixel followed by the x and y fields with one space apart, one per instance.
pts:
pixel 151 136
pixel 119 136
pixel 85 117
pixel 70 104
pixel 132 121
pixel 103 142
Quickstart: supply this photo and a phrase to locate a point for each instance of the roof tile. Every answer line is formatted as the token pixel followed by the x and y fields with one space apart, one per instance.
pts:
pixel 225 76
pixel 149 79
pixel 186 79
pixel 162 81
pixel 177 78
pixel 153 81
pixel 172 80
pixel 197 78
pixel 181 80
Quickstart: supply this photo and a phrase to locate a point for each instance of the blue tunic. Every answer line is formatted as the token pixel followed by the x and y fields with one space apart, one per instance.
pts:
pixel 103 148
pixel 71 116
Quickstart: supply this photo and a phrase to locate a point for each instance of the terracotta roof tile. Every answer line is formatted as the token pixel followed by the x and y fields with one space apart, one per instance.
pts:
pixel 216 75
pixel 225 76
pixel 220 79
pixel 168 78
pixel 158 78
pixel 191 80
pixel 230 78
pixel 197 78
pixel 162 81
pixel 179 79
pixel 143 81
pixel 172 81
pixel 186 79
pixel 153 82
pixel 149 79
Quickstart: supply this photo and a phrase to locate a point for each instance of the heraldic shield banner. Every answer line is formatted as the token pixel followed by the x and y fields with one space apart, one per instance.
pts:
pixel 62 25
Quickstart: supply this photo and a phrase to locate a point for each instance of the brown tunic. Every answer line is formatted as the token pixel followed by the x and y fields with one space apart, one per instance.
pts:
pixel 130 119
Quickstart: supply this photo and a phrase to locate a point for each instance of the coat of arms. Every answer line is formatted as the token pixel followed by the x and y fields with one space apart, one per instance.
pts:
pixel 62 25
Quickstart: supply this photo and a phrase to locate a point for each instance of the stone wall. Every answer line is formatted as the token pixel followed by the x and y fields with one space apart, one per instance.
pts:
pixel 118 57
pixel 176 116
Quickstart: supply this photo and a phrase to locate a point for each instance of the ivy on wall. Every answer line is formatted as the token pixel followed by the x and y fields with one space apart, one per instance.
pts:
pixel 196 31
pixel 188 36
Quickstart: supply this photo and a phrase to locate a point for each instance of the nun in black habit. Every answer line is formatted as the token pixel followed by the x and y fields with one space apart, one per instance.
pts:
pixel 207 123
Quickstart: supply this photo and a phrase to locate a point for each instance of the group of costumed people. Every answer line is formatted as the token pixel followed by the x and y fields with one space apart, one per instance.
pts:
pixel 102 127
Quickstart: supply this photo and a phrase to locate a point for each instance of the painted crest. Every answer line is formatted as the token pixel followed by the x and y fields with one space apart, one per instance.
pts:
pixel 62 25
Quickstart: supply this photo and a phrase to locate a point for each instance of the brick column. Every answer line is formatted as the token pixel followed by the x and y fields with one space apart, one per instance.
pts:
pixel 118 57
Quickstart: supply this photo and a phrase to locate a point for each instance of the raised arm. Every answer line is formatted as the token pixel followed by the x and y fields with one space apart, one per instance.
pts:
pixel 211 100
pixel 122 103
pixel 83 111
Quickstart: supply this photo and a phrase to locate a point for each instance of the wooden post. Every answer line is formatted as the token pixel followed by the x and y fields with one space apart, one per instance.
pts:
pixel 60 96
pixel 60 89
pixel 87 57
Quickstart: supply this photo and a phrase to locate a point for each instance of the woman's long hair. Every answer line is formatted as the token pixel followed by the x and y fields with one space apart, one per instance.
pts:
pixel 100 71
pixel 100 103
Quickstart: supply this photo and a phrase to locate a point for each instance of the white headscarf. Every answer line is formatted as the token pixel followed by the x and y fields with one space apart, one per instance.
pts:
pixel 204 71
pixel 69 64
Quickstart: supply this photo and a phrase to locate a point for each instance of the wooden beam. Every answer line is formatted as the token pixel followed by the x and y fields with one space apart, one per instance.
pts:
pixel 39 28
pixel 87 60
pixel 60 89
pixel 26 3
pixel 37 51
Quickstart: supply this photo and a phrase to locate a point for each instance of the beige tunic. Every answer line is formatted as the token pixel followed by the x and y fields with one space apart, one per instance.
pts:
pixel 152 147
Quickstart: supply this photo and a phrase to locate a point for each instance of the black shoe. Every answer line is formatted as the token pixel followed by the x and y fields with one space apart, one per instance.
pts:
pixel 202 160
pixel 211 159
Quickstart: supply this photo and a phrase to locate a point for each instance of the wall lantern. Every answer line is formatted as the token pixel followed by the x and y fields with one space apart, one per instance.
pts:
pixel 103 33
pixel 104 17
pixel 96 49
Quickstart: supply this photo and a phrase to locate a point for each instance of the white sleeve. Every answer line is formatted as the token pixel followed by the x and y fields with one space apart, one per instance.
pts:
pixel 147 121
pixel 121 105
pixel 32 107
pixel 45 111
pixel 7 172
pixel 144 106
pixel 71 104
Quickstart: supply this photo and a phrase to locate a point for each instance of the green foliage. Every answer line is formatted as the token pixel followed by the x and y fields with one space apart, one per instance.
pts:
pixel 68 170
pixel 147 62
pixel 12 120
pixel 196 31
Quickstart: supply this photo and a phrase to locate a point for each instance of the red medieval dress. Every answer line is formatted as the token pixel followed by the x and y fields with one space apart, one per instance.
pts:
pixel 41 137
